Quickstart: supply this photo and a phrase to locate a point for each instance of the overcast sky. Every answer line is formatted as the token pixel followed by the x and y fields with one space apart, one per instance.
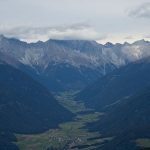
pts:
pixel 100 20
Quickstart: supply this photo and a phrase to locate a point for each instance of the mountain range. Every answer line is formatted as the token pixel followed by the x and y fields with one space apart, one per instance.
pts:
pixel 71 64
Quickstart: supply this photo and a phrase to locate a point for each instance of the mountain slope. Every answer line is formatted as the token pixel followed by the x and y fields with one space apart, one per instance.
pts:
pixel 119 84
pixel 126 121
pixel 21 97
pixel 25 106
pixel 124 98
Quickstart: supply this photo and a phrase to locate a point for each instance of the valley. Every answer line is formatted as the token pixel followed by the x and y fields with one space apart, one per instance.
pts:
pixel 69 135
pixel 72 135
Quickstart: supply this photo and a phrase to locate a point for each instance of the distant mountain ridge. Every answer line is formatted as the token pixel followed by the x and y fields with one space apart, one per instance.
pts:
pixel 82 61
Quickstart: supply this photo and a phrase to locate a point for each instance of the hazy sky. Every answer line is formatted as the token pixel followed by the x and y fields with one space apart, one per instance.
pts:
pixel 101 20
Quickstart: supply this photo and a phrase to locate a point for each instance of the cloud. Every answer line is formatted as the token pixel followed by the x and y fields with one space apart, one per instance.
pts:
pixel 129 37
pixel 79 31
pixel 142 11
pixel 146 36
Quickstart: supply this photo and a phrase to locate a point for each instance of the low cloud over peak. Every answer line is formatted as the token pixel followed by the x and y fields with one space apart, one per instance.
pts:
pixel 79 31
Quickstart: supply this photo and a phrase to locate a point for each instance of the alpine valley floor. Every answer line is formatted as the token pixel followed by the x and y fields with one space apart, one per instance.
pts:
pixel 70 135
